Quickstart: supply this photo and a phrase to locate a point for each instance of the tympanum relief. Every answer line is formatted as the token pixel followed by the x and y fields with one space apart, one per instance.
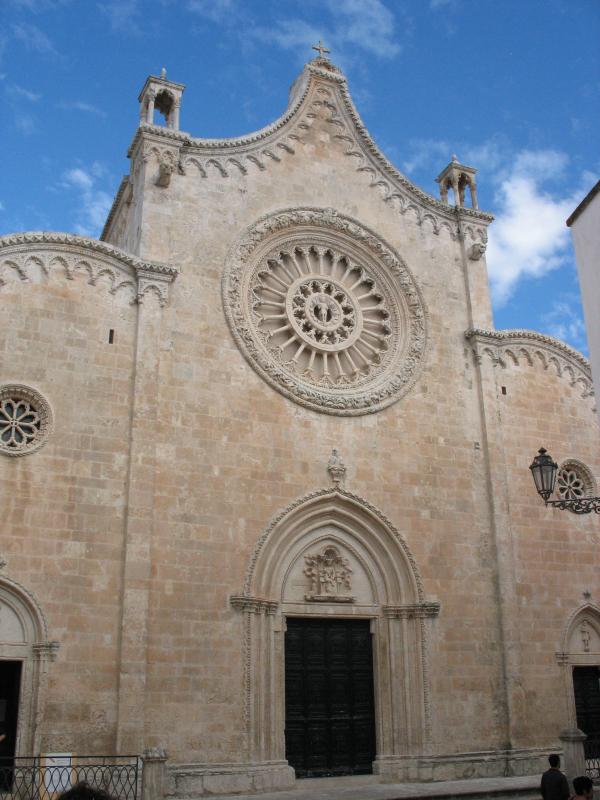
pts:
pixel 329 574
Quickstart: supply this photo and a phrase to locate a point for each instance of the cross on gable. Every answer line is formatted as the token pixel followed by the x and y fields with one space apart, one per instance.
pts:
pixel 321 49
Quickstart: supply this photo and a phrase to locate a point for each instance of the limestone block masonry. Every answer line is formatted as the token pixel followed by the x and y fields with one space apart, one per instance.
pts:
pixel 273 391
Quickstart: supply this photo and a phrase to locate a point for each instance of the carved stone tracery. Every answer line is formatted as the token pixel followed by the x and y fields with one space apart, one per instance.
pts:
pixel 325 311
pixel 25 420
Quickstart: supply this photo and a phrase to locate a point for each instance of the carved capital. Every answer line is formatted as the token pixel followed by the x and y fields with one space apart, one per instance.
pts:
pixel 155 754
pixel 412 610
pixel 253 605
pixel 46 651
pixel 562 658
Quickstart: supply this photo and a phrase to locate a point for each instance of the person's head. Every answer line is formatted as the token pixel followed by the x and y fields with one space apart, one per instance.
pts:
pixel 83 791
pixel 583 786
pixel 554 760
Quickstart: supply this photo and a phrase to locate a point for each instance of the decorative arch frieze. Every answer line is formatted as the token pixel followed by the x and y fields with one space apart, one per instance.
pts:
pixel 320 93
pixel 24 637
pixel 353 562
pixel 521 347
pixel 101 263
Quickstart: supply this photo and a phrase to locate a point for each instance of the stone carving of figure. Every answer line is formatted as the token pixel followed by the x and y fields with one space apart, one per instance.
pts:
pixel 329 575
pixel 336 468
pixel 585 636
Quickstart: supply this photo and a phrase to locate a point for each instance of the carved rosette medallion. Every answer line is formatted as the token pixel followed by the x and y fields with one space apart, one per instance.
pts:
pixel 325 311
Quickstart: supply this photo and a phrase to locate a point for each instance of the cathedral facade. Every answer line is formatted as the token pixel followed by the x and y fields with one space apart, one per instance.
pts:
pixel 264 468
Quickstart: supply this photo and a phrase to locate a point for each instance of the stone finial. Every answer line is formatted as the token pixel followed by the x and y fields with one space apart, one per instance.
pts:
pixel 587 595
pixel 336 469
pixel 2 563
pixel 163 96
pixel 457 176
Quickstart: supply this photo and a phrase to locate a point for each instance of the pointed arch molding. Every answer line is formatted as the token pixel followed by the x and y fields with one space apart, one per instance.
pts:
pixel 67 255
pixel 320 92
pixel 580 642
pixel 24 637
pixel 528 348
pixel 400 617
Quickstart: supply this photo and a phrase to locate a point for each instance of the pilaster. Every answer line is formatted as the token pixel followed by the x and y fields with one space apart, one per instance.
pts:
pixel 152 295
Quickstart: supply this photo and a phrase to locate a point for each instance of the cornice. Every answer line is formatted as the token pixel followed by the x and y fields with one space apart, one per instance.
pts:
pixel 97 258
pixel 320 87
pixel 522 345
pixel 95 245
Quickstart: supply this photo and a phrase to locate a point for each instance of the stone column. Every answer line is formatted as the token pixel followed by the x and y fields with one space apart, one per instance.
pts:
pixel 154 769
pixel 573 753
pixel 150 108
pixel 175 120
pixel 474 202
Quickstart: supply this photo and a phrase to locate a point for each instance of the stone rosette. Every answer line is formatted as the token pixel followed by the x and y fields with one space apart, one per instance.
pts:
pixel 26 419
pixel 325 311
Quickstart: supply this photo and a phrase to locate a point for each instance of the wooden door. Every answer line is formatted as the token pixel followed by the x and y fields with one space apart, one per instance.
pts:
pixel 586 682
pixel 330 719
pixel 10 684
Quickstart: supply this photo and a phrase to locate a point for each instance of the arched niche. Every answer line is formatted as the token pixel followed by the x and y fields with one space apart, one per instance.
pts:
pixel 369 573
pixel 23 638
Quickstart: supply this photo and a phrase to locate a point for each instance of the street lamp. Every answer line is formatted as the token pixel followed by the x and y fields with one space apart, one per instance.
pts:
pixel 544 470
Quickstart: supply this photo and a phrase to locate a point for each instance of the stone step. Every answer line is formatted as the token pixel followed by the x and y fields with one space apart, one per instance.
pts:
pixel 369 787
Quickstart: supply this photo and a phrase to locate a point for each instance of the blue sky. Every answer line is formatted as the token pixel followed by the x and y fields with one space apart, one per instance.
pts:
pixel 511 86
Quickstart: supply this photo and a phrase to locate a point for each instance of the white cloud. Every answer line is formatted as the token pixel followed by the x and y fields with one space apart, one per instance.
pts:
pixel 94 203
pixel 34 39
pixel 79 105
pixel 565 322
pixel 215 10
pixel 354 25
pixel 123 15
pixel 427 153
pixel 33 97
pixel 25 123
pixel 529 237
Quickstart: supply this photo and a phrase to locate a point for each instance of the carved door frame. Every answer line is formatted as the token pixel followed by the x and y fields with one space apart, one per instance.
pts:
pixel 399 622
pixel 34 651
pixel 574 653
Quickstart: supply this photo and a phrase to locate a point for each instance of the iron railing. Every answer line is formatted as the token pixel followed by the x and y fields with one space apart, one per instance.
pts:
pixel 591 748
pixel 46 777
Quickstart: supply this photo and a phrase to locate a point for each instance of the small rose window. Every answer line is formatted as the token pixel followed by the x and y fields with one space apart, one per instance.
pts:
pixel 25 420
pixel 574 481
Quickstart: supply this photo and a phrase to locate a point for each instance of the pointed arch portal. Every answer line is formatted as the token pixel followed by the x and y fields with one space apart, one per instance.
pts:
pixel 333 556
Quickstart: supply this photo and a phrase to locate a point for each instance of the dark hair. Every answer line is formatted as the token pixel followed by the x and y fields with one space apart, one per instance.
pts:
pixel 83 791
pixel 554 760
pixel 582 784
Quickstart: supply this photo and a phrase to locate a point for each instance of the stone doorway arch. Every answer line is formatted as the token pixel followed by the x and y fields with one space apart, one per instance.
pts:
pixel 383 585
pixel 580 646
pixel 24 639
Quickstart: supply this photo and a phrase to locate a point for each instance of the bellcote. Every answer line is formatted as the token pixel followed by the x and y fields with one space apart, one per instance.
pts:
pixel 163 96
pixel 457 176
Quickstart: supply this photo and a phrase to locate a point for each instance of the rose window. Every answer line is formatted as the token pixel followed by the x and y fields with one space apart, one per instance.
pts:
pixel 323 314
pixel 325 311
pixel 570 485
pixel 574 481
pixel 25 420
